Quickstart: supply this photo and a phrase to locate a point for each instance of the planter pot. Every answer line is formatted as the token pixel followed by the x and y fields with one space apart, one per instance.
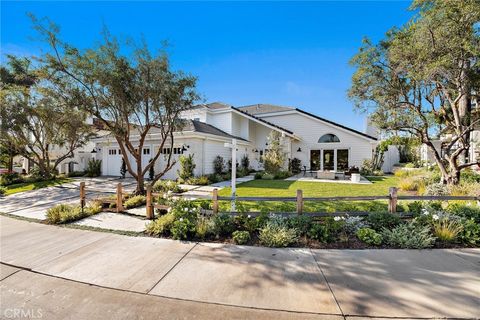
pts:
pixel 355 177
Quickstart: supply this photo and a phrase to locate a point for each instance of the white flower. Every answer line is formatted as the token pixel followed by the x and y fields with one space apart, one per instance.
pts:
pixel 249 216
pixel 169 192
pixel 181 219
pixel 185 209
pixel 425 212
pixel 164 196
pixel 337 218
pixel 169 209
pixel 435 217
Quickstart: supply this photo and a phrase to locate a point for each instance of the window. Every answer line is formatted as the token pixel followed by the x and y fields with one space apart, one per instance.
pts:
pixel 328 138
pixel 175 150
pixel 146 151
pixel 119 151
pixel 112 152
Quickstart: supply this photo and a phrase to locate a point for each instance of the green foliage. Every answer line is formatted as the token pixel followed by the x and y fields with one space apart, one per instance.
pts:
pixel 3 190
pixel 161 225
pixel 301 223
pixel 470 234
pixel 277 235
pixel 369 236
pixel 204 227
pixel 446 229
pixel 224 224
pixel 379 220
pixel 436 189
pixel 187 167
pixel 409 236
pixel 182 229
pixel 353 224
pixel 166 186
pixel 258 175
pixel 282 175
pixel 65 213
pixel 241 237
pixel 94 168
pixel 199 181
pixel 295 166
pixel 274 157
pixel 268 176
pixel 76 174
pixel 245 163
pixel 10 178
pixel 135 201
pixel 218 165
pixel 328 230
pixel 465 211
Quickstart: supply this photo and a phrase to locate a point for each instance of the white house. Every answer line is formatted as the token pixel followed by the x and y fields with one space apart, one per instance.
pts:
pixel 320 144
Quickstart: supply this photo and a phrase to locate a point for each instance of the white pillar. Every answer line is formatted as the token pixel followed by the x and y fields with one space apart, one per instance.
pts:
pixel 321 160
pixel 234 172
pixel 335 160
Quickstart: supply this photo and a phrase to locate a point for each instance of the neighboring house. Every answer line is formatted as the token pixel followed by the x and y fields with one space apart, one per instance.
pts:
pixel 320 144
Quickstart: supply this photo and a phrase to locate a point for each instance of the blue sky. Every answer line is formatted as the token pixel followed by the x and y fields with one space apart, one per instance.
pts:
pixel 286 53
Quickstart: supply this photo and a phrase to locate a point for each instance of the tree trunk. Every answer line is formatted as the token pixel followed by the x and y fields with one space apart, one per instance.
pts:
pixel 10 163
pixel 140 179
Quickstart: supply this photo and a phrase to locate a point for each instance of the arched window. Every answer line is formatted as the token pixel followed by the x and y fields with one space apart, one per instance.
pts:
pixel 328 138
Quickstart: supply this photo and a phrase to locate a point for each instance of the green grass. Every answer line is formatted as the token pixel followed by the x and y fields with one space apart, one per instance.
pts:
pixel 282 188
pixel 26 186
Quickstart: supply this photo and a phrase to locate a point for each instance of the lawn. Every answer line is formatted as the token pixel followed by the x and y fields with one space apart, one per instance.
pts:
pixel 26 186
pixel 282 188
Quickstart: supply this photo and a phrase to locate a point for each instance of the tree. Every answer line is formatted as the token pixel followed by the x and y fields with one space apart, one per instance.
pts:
pixel 274 157
pixel 133 93
pixel 187 167
pixel 123 169
pixel 44 126
pixel 422 78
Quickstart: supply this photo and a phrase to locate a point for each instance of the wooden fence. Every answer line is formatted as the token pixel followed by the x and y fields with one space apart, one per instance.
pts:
pixel 299 199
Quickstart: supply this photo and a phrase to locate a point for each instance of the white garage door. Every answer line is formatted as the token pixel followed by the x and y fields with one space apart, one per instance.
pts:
pixel 113 162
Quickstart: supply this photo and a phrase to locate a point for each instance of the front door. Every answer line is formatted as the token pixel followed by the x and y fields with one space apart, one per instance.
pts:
pixel 328 160
pixel 315 159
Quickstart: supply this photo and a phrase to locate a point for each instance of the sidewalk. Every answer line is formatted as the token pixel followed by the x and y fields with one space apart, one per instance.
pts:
pixel 278 282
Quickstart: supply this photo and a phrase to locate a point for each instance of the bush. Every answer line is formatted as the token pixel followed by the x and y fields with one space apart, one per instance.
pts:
pixel 204 228
pixel 436 189
pixel 403 173
pixel 369 236
pixel 282 175
pixel 135 201
pixel 301 223
pixel 258 175
pixel 182 229
pixel 446 229
pixel 408 184
pixel 166 185
pixel 3 190
pixel 241 237
pixel 409 236
pixel 328 230
pixel 468 212
pixel 161 226
pixel 218 165
pixel 353 224
pixel 187 167
pixel 409 165
pixel 469 176
pixel 200 181
pixel 64 213
pixel 245 163
pixel 470 234
pixel 94 168
pixel 276 235
pixel 379 220
pixel 268 176
pixel 295 166
pixel 274 157
pixel 10 178
pixel 223 224
pixel 215 177
pixel 76 174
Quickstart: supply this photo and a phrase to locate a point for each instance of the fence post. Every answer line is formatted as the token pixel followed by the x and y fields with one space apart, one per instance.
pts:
pixel 299 201
pixel 119 198
pixel 392 201
pixel 215 201
pixel 82 195
pixel 149 202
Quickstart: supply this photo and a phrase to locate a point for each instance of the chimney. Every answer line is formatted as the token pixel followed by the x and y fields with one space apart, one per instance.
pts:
pixel 371 129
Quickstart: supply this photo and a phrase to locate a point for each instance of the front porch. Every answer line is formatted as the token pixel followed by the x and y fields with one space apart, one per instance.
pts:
pixel 340 177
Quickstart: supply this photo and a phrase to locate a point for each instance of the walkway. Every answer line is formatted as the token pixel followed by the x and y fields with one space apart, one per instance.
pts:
pixel 127 275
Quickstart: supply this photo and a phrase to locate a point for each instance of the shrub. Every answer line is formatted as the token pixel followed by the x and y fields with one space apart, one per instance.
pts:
pixel 282 175
pixel 446 229
pixel 469 176
pixel 328 230
pixel 465 211
pixel 301 223
pixel 10 178
pixel 295 166
pixel 408 184
pixel 436 189
pixel 201 181
pixel 470 234
pixel 135 201
pixel 275 235
pixel 353 224
pixel 241 237
pixel 94 207
pixel 223 224
pixel 379 220
pixel 403 173
pixel 3 190
pixel 204 228
pixel 215 177
pixel 166 185
pixel 268 176
pixel 64 213
pixel 465 189
pixel 369 236
pixel 161 225
pixel 409 165
pixel 187 166
pixel 258 175
pixel 245 163
pixel 218 165
pixel 408 236
pixel 76 174
pixel 274 158
pixel 182 229
pixel 94 168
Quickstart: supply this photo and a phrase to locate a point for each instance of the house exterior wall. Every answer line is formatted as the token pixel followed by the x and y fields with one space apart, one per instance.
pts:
pixel 309 130
pixel 222 121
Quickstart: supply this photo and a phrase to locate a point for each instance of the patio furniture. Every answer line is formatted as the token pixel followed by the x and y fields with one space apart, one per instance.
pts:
pixel 328 175
pixel 355 177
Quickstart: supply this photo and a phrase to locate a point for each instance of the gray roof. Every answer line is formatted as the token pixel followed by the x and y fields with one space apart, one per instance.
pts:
pixel 217 105
pixel 264 108
pixel 202 127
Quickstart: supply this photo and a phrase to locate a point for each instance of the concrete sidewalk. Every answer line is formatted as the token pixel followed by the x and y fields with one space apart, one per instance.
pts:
pixel 126 275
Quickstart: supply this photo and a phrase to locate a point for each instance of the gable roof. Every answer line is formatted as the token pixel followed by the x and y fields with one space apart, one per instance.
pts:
pixel 336 124
pixel 262 120
pixel 202 127
pixel 264 108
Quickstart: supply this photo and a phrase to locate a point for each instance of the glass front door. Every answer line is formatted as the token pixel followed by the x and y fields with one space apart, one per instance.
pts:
pixel 315 159
pixel 328 160
pixel 342 159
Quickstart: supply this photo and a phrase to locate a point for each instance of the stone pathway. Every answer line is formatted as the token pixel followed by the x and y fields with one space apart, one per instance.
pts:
pixel 114 221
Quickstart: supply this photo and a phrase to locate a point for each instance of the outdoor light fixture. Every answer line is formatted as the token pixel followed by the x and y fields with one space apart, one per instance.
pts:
pixel 266 143
pixel 93 151
pixel 184 149
pixel 299 150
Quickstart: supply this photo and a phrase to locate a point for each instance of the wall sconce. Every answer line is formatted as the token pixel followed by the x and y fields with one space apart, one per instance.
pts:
pixel 266 143
pixel 299 150
pixel 256 151
pixel 184 149
pixel 93 151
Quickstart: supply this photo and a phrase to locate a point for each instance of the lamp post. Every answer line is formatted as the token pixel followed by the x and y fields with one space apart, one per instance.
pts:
pixel 233 146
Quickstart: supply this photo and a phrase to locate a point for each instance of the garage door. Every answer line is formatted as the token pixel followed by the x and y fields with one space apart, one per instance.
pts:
pixel 113 162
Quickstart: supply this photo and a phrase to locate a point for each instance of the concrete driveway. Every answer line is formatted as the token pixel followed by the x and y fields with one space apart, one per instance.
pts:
pixel 101 275
pixel 34 203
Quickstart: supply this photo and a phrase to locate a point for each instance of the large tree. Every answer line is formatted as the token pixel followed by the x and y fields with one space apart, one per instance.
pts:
pixel 131 90
pixel 422 78
pixel 36 122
